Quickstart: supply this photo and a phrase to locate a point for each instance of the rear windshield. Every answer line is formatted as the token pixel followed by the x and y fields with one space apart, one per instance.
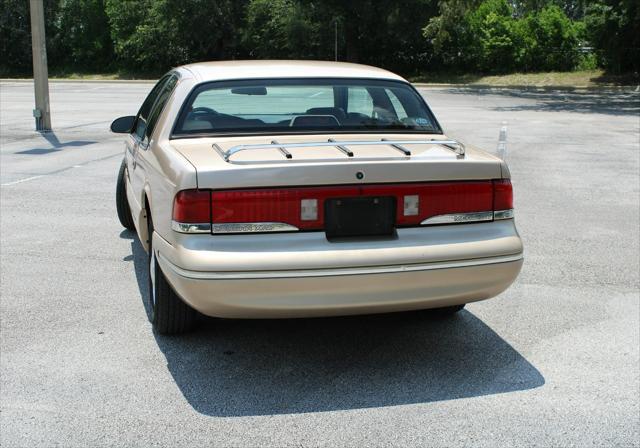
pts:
pixel 304 105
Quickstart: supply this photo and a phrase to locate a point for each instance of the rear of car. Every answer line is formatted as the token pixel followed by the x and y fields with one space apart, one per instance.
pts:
pixel 321 196
pixel 273 253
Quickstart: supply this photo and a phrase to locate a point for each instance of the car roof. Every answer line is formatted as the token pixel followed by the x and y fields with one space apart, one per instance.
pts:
pixel 229 70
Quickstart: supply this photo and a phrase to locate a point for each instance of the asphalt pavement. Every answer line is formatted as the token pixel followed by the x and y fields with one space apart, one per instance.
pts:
pixel 553 361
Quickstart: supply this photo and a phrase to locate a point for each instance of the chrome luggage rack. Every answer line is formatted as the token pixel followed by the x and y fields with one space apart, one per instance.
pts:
pixel 342 146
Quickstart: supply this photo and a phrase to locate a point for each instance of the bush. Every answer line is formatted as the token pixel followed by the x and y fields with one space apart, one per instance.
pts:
pixel 490 38
pixel 550 41
pixel 587 61
pixel 494 28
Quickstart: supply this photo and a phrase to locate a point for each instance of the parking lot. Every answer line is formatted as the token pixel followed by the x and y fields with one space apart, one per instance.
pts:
pixel 553 361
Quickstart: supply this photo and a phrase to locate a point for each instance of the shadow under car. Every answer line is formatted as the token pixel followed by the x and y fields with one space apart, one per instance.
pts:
pixel 262 367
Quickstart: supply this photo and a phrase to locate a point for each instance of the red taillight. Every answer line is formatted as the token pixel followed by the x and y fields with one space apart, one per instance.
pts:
pixel 192 206
pixel 270 205
pixel 290 208
pixel 436 198
pixel 502 195
pixel 286 205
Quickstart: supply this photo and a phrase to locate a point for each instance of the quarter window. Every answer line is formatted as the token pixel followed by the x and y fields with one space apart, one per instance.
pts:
pixel 143 114
pixel 160 102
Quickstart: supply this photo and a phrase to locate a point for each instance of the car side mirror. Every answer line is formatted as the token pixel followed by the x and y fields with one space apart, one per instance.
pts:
pixel 123 125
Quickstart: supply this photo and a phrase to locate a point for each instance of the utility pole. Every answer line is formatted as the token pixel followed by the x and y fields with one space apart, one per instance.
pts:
pixel 42 112
pixel 335 41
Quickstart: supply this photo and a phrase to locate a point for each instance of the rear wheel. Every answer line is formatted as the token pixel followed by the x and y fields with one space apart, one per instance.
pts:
pixel 122 204
pixel 169 314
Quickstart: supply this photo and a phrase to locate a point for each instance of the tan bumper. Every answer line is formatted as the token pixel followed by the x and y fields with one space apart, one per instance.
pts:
pixel 332 292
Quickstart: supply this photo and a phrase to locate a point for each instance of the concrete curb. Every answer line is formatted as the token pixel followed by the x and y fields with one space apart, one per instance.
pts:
pixel 524 87
pixel 66 80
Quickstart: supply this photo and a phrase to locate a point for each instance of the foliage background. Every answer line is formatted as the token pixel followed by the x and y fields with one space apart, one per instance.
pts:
pixel 411 37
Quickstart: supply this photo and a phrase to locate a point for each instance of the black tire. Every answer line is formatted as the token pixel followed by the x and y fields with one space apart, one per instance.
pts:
pixel 446 311
pixel 169 314
pixel 122 204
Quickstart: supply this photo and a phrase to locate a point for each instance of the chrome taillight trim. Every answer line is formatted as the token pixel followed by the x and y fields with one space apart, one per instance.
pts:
pixel 187 227
pixel 503 214
pixel 252 227
pixel 268 227
pixel 454 218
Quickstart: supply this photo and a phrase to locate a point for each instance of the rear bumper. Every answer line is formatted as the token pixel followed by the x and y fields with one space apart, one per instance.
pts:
pixel 351 288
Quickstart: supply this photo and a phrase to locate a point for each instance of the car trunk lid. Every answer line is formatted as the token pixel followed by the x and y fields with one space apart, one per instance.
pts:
pixel 277 163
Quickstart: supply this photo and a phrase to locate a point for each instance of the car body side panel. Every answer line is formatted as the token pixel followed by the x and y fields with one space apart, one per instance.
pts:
pixel 161 170
pixel 169 172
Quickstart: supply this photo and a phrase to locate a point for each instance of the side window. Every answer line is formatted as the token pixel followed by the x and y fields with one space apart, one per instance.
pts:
pixel 143 113
pixel 164 96
pixel 397 105
pixel 360 101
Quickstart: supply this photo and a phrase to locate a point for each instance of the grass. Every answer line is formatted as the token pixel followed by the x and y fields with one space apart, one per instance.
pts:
pixel 584 78
pixel 80 75
pixel 89 76
pixel 107 76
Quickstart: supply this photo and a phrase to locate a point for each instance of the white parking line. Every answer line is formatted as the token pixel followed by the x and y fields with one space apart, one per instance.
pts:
pixel 27 179
pixel 19 181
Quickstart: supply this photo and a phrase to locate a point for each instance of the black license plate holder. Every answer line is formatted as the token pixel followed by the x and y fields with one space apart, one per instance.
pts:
pixel 360 216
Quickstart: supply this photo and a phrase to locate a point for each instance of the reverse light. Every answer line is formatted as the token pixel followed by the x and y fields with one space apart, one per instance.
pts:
pixel 309 209
pixel 502 199
pixel 411 205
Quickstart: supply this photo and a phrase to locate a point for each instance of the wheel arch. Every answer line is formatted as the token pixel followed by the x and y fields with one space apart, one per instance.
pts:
pixel 145 215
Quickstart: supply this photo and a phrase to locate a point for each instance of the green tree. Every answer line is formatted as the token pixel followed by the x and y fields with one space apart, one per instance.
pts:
pixel 155 35
pixel 613 27
pixel 408 36
pixel 378 32
pixel 83 34
pixel 374 32
pixel 494 36
pixel 493 26
pixel 551 40
pixel 281 29
pixel 15 36
pixel 451 36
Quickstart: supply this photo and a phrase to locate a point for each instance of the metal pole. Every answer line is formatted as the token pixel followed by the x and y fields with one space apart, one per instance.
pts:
pixel 42 112
pixel 335 42
pixel 502 141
